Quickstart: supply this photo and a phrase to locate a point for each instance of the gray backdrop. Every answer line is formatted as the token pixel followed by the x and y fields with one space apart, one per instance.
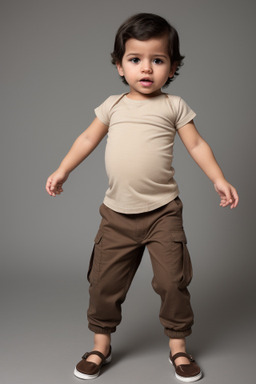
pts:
pixel 55 69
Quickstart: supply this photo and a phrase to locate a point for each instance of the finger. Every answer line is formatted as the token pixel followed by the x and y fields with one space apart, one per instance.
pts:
pixel 49 186
pixel 59 188
pixel 51 189
pixel 48 183
pixel 226 200
pixel 224 203
pixel 229 197
pixel 54 186
pixel 235 199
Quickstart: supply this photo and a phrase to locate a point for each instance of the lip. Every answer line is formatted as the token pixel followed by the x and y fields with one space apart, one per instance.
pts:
pixel 146 81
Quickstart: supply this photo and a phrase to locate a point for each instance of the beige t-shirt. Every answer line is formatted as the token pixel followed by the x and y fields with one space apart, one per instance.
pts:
pixel 139 150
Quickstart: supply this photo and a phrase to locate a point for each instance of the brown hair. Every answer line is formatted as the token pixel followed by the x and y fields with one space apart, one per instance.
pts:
pixel 144 26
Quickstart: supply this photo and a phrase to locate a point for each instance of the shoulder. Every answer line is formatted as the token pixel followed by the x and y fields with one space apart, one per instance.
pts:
pixel 177 102
pixel 174 100
pixel 112 100
pixel 104 110
pixel 181 110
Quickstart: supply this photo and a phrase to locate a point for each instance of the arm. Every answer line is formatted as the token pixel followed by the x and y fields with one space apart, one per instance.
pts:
pixel 82 147
pixel 201 152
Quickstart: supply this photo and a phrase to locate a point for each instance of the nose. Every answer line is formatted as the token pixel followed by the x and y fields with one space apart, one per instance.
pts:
pixel 146 67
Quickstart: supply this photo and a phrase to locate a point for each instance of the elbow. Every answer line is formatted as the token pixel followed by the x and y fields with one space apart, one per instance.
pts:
pixel 198 146
pixel 193 146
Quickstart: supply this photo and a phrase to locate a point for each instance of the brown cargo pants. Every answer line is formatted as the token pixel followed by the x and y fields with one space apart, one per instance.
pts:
pixel 117 253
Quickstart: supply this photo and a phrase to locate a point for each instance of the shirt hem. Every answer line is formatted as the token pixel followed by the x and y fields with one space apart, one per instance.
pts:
pixel 142 209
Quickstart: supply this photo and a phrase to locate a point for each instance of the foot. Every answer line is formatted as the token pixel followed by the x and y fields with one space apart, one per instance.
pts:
pixel 187 373
pixel 87 370
pixel 186 369
pixel 101 344
pixel 176 346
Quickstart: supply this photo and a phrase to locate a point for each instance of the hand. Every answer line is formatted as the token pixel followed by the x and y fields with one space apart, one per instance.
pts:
pixel 228 194
pixel 55 181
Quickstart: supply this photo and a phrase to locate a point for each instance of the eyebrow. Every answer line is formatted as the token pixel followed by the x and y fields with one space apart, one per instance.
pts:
pixel 139 54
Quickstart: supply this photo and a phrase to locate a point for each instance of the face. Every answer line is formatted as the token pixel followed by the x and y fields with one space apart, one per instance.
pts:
pixel 146 66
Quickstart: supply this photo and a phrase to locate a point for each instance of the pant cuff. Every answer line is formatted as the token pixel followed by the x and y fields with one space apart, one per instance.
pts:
pixel 103 331
pixel 177 335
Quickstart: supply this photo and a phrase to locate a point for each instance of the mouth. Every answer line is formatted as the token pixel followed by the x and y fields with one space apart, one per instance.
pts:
pixel 146 82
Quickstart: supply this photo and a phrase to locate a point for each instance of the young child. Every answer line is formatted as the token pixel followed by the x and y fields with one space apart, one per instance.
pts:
pixel 141 206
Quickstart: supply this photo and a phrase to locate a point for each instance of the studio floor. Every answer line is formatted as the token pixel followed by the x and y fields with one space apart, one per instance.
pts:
pixel 44 334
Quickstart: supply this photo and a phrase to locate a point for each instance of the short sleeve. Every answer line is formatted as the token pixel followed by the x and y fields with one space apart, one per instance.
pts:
pixel 184 114
pixel 103 112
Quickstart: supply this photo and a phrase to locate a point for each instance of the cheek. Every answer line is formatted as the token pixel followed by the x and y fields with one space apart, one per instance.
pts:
pixel 166 72
pixel 129 71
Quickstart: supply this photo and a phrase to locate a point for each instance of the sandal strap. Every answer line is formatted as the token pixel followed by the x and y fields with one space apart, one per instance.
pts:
pixel 87 354
pixel 182 354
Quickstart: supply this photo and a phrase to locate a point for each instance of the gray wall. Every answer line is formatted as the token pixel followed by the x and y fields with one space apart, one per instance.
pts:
pixel 55 69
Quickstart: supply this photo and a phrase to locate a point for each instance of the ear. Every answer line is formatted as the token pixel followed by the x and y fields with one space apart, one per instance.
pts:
pixel 173 69
pixel 120 69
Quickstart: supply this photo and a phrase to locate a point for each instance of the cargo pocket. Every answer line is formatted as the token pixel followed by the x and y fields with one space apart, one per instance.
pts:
pixel 187 271
pixel 96 244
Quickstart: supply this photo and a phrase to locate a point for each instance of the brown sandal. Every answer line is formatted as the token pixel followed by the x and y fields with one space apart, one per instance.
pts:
pixel 187 373
pixel 88 370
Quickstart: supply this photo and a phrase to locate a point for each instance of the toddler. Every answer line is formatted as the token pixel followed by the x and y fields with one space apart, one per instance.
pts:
pixel 142 207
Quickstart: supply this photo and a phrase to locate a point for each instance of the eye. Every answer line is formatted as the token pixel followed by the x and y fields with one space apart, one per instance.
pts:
pixel 135 60
pixel 158 61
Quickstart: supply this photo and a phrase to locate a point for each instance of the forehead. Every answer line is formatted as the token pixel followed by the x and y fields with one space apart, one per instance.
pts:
pixel 156 45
